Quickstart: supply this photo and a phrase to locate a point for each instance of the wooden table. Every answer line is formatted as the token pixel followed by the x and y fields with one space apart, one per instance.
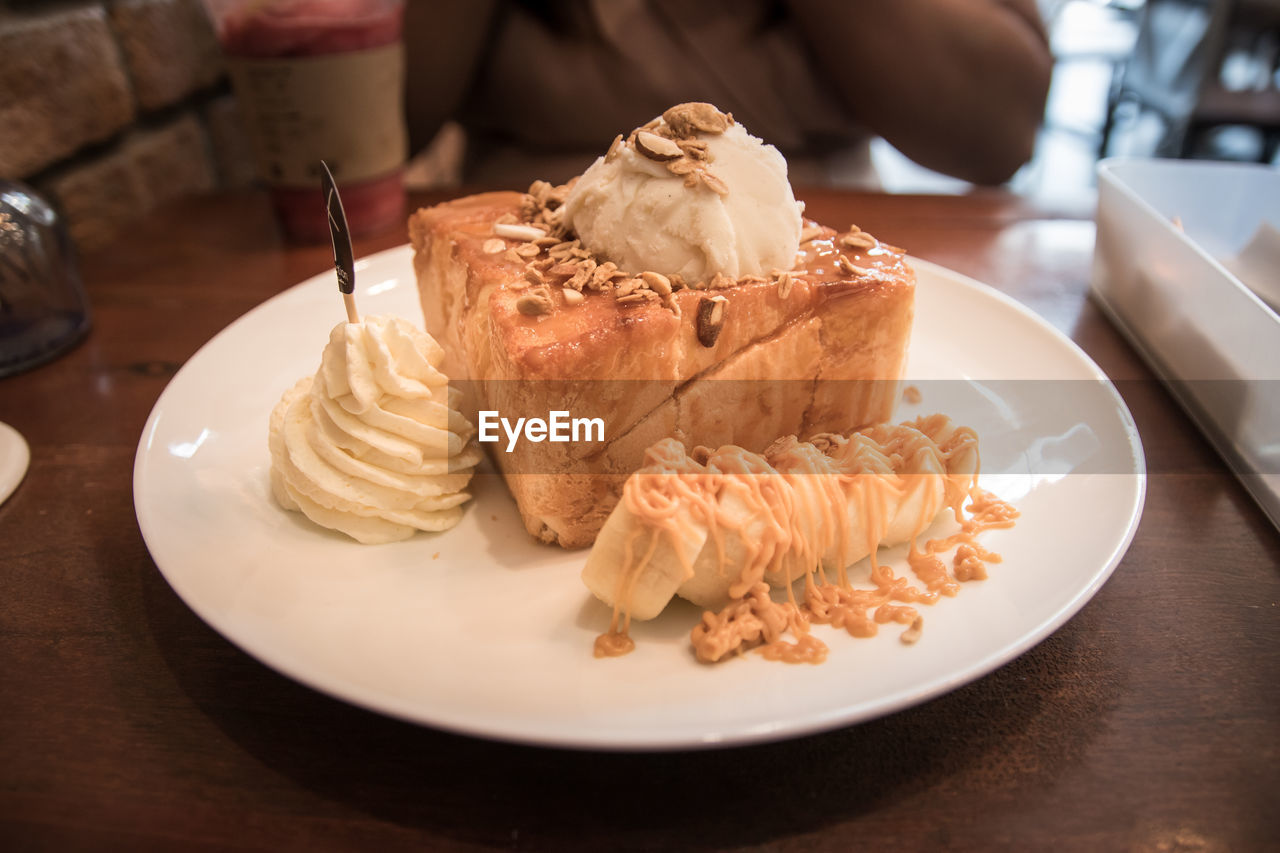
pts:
pixel 1151 721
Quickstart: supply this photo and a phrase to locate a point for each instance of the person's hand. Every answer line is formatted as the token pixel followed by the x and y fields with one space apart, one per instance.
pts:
pixel 958 86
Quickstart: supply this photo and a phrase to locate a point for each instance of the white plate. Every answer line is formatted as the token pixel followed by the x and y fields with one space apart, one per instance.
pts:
pixel 409 629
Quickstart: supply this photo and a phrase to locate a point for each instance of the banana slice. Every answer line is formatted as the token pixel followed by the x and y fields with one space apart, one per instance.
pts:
pixel 641 567
pixel 710 532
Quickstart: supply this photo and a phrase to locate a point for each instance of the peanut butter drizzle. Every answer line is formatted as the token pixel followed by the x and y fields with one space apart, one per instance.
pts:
pixel 798 498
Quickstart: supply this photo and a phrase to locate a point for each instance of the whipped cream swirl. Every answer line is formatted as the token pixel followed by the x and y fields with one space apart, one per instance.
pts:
pixel 373 445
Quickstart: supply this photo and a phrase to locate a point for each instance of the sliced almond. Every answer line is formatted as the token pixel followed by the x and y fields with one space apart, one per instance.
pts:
pixel 858 240
pixel 572 297
pixel 657 147
pixel 710 319
pixel 528 250
pixel 811 232
pixel 713 182
pixel 494 245
pixel 911 636
pixel 784 285
pixel 515 231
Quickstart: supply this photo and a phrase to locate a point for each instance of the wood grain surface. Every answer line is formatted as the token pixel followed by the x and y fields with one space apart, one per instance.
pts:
pixel 1150 721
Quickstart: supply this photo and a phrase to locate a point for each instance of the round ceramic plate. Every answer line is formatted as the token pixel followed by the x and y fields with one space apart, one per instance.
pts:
pixel 480 630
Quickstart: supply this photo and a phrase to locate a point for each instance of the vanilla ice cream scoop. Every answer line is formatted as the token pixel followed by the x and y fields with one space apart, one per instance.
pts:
pixel 374 445
pixel 691 193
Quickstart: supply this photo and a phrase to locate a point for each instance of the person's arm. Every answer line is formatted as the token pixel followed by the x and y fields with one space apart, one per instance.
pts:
pixel 958 86
pixel 443 40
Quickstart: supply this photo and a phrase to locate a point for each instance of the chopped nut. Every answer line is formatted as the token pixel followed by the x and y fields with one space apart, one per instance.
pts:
pixel 657 147
pixel 912 634
pixel 687 119
pixel 638 296
pixel 534 302
pixel 516 231
pixel 511 255
pixel 494 245
pixel 615 148
pixel 539 190
pixel 546 242
pixel 719 281
pixel 845 264
pixel 532 277
pixel 557 195
pixel 752 279
pixel 657 282
pixel 580 278
pixel 682 166
pixel 563 269
pixel 604 273
pixel 710 319
pixel 506 219
pixel 627 286
pixel 572 297
pixel 671 305
pixel 677 281
pixel 695 149
pixel 528 250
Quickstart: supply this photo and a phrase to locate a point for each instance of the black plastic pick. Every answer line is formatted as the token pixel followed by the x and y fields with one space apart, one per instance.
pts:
pixel 344 260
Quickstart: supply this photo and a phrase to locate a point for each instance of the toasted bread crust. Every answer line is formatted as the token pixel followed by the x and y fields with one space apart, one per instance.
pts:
pixel 823 355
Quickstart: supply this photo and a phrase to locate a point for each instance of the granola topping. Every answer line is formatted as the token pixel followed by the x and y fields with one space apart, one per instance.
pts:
pixel 535 301
pixel 558 258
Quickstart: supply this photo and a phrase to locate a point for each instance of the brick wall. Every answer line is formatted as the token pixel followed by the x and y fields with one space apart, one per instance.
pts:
pixel 111 108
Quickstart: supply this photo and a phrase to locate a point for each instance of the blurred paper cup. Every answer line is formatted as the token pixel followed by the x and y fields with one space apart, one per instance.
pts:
pixel 321 80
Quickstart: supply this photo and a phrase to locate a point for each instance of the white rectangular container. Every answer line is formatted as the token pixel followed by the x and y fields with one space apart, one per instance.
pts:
pixel 1166 229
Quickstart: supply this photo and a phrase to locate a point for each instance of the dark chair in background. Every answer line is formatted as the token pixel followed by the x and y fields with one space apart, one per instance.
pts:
pixel 1201 82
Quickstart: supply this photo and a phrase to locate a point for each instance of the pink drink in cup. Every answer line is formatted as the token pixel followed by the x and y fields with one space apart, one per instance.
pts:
pixel 322 79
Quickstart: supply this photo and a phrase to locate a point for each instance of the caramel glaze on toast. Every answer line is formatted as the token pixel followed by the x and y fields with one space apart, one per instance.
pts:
pixel 824 357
